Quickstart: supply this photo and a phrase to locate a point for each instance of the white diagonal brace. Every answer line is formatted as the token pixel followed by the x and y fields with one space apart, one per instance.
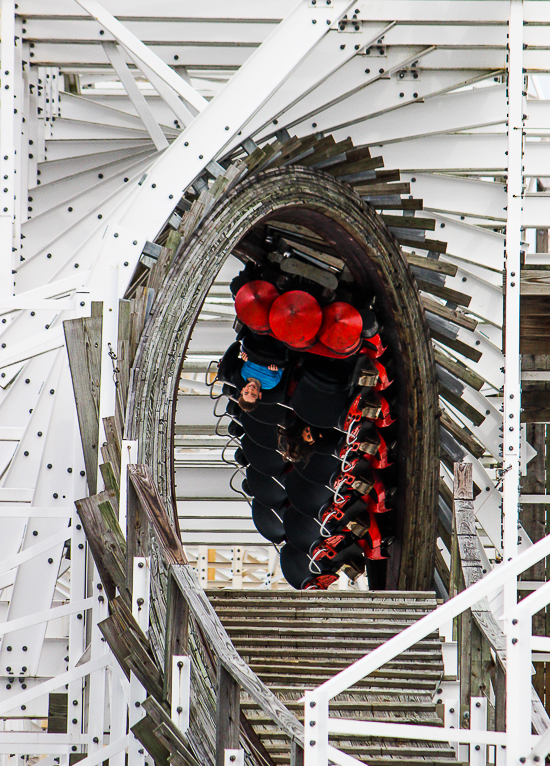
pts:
pixel 54 683
pixel 107 752
pixel 169 96
pixel 45 616
pixel 34 550
pixel 40 343
pixel 140 51
pixel 135 95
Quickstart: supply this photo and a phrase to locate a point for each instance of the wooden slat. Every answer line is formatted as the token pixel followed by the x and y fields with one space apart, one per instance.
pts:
pixel 228 710
pixel 462 436
pixel 457 345
pixel 359 166
pixel 466 409
pixel 431 245
pixel 377 189
pixel 453 315
pixel 106 540
pixel 440 267
pixel 459 369
pixel 131 647
pixel 410 222
pixel 83 340
pixel 149 498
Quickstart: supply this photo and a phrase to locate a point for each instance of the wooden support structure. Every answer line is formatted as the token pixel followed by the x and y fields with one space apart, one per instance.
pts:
pixel 83 340
pixel 228 708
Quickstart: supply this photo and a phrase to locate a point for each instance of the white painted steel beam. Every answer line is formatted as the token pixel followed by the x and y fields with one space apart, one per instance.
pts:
pixel 512 385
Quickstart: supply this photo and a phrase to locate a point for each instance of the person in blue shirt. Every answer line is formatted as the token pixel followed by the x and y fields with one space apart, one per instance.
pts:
pixel 257 377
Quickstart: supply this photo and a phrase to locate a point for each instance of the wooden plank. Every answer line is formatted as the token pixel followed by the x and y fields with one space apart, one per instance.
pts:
pixel 221 644
pixel 459 369
pixel 167 732
pixel 463 483
pixel 457 345
pixel 325 154
pixel 285 243
pixel 131 647
pixel 147 494
pixel 376 189
pixel 144 731
pixel 138 539
pixel 106 541
pixel 461 299
pixel 124 362
pixel 410 222
pixel 57 712
pixel 83 340
pixel 109 479
pixel 359 166
pixel 308 271
pixel 430 264
pixel 177 629
pixel 462 436
pixel 466 409
pixel 453 315
pixel 228 709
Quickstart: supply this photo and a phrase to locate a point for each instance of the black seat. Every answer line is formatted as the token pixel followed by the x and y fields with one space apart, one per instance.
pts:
pixel 304 496
pixel 264 434
pixel 301 531
pixel 229 363
pixel 235 429
pixel 265 489
pixel 267 461
pixel 295 567
pixel 269 523
pixel 320 403
pixel 272 414
pixel 319 468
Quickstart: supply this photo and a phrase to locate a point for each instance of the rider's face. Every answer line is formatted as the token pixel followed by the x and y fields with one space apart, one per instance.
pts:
pixel 250 392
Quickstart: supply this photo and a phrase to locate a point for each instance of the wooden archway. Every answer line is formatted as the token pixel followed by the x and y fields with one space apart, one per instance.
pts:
pixel 307 196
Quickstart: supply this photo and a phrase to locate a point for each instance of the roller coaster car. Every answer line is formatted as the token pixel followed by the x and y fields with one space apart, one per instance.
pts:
pixel 332 509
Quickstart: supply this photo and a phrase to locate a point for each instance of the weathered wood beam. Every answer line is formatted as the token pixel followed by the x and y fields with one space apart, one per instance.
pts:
pixel 107 544
pixel 83 341
pixel 228 709
pixel 148 497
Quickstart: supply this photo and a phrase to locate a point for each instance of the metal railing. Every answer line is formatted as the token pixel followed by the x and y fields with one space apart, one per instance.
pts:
pixel 519 744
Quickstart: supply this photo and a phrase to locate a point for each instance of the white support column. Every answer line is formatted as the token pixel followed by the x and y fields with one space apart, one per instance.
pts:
pixel 512 391
pixel 7 147
pixel 181 691
pixel 518 686
pixel 452 718
pixel 138 694
pixel 478 722
pixel 315 730
pixel 237 567
pixel 234 758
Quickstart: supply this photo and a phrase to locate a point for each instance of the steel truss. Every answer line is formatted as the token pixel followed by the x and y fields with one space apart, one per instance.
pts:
pixel 90 174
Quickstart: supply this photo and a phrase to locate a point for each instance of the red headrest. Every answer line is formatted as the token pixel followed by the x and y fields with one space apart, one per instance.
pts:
pixel 295 318
pixel 341 328
pixel 253 302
